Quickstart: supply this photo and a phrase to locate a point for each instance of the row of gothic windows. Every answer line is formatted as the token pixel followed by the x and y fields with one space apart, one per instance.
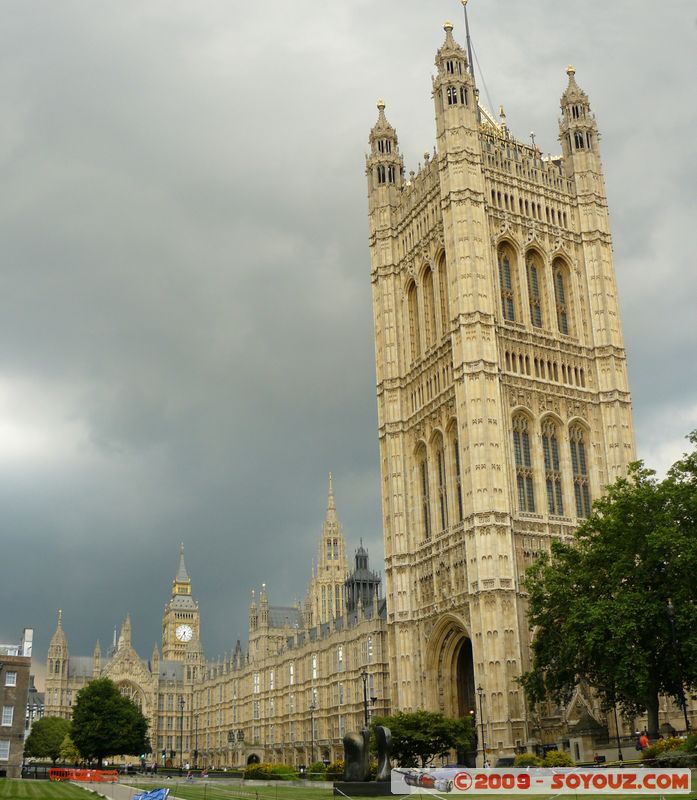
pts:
pixel 539 299
pixel 425 324
pixel 526 478
pixel 439 473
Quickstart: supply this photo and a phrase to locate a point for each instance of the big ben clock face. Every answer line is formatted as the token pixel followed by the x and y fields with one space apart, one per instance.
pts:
pixel 184 633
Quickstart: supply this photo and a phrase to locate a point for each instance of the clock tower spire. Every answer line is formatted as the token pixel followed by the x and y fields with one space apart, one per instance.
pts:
pixel 180 623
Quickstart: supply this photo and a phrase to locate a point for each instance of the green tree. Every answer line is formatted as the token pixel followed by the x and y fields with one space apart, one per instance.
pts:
pixel 106 723
pixel 421 736
pixel 599 605
pixel 46 737
pixel 68 751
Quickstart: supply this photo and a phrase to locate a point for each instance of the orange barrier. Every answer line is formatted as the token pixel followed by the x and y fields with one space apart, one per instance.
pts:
pixel 86 775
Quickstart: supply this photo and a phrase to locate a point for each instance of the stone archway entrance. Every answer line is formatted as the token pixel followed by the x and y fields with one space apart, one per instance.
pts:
pixel 451 671
pixel 253 759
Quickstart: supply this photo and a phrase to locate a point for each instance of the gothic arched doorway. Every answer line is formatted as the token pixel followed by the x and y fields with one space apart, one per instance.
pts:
pixel 253 759
pixel 451 674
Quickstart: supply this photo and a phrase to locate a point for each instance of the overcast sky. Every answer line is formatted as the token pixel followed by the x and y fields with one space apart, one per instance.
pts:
pixel 185 317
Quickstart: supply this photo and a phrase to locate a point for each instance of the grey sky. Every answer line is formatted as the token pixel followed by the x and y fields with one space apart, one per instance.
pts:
pixel 185 316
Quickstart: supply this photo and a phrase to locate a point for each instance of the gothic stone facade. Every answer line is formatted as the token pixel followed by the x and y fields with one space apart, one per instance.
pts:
pixel 290 698
pixel 502 386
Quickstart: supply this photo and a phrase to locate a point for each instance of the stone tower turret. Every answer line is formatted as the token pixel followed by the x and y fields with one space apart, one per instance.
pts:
pixel 181 621
pixel 326 592
pixel 57 672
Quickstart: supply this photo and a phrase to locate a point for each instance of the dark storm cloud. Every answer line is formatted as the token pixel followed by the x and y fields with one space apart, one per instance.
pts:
pixel 185 329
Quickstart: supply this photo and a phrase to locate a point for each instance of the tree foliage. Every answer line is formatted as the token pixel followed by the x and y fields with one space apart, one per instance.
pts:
pixel 106 723
pixel 46 737
pixel 421 736
pixel 599 605
pixel 68 751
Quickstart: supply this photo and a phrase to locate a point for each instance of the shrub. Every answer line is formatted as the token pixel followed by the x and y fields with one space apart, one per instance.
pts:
pixel 557 758
pixel 269 772
pixel 527 760
pixel 317 771
pixel 662 746
pixel 335 771
pixel 690 744
pixel 676 759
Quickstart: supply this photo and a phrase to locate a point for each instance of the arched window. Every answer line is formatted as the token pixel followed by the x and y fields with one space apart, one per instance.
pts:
pixel 561 296
pixel 457 471
pixel 506 280
pixel 444 298
pixel 442 484
pixel 452 95
pixel 381 173
pixel 429 307
pixel 579 470
pixel 413 311
pixel 523 463
pixel 534 274
pixel 424 491
pixel 550 450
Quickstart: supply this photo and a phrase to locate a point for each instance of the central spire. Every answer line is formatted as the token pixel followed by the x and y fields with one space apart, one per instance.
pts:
pixel 331 504
pixel 182 574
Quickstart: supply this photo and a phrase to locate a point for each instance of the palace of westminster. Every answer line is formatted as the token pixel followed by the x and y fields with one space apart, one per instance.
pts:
pixel 503 411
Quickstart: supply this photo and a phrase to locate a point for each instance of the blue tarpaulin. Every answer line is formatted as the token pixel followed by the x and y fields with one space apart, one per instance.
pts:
pixel 155 794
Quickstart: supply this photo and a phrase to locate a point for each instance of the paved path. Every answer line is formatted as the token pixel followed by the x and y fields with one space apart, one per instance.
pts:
pixel 119 791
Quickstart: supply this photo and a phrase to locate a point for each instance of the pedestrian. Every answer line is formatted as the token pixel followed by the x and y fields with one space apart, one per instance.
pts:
pixel 637 743
pixel 644 741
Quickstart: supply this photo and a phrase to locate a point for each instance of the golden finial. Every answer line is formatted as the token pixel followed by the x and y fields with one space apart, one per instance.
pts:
pixel 447 26
pixel 571 70
pixel 381 105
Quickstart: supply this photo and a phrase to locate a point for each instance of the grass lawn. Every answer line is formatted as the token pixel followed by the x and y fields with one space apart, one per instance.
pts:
pixel 40 790
pixel 213 791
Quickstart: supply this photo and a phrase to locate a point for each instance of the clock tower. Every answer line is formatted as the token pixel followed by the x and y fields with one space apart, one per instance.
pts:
pixel 180 624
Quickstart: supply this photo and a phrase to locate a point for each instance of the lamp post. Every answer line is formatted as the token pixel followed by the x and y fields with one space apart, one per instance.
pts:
pixel 182 704
pixel 364 678
pixel 676 652
pixel 196 741
pixel 480 692
pixel 313 708
pixel 617 732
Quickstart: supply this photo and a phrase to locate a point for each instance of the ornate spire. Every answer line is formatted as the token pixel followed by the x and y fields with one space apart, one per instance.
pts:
pixel 331 504
pixel 125 637
pixel 58 638
pixel 182 574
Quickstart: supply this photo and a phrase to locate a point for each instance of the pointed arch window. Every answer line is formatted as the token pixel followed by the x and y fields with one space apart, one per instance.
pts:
pixel 442 485
pixel 424 491
pixel 429 308
pixel 443 290
pixel 506 280
pixel 413 312
pixel 534 275
pixel 579 470
pixel 381 173
pixel 561 297
pixel 550 450
pixel 523 463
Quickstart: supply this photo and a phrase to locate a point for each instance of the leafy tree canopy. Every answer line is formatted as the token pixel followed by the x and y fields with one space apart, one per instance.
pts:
pixel 46 737
pixel 421 736
pixel 68 751
pixel 107 723
pixel 599 605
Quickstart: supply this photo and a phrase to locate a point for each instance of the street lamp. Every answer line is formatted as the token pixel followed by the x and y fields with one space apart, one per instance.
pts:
pixel 676 652
pixel 364 678
pixel 196 742
pixel 617 732
pixel 313 708
pixel 182 704
pixel 480 692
